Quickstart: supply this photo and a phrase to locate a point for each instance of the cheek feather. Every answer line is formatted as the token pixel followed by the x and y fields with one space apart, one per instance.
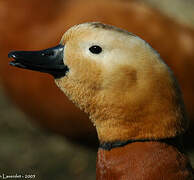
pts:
pixel 121 79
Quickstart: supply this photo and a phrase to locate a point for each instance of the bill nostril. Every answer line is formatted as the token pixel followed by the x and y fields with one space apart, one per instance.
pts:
pixel 47 54
pixel 11 55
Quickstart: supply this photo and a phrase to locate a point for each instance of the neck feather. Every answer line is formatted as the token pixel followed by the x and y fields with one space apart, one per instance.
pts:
pixel 176 142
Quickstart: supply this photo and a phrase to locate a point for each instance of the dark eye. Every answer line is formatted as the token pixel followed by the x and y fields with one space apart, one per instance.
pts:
pixel 95 49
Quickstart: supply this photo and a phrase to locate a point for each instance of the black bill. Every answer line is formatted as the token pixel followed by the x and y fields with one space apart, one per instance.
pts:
pixel 48 60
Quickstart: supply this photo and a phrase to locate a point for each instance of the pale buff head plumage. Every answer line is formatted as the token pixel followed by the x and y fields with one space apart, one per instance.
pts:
pixel 127 90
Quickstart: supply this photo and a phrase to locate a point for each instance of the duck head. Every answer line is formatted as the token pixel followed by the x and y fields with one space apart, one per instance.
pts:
pixel 115 77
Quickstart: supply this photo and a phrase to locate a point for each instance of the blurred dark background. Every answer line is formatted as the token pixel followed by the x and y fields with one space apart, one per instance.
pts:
pixel 51 138
pixel 27 149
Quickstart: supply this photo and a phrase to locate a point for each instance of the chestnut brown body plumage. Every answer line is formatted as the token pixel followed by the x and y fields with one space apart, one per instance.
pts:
pixel 130 94
pixel 143 160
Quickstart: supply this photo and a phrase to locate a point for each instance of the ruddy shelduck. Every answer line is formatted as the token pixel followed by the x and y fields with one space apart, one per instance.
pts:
pixel 21 32
pixel 130 94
